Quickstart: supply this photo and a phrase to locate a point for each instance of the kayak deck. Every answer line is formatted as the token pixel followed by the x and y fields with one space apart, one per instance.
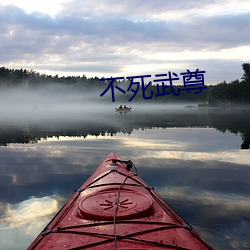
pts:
pixel 116 209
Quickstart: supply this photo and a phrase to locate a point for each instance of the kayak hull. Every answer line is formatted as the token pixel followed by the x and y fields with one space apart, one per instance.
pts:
pixel 116 209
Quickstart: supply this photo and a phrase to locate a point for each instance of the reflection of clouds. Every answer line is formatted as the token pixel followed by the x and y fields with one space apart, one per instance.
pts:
pixel 175 143
pixel 226 240
pixel 147 144
pixel 236 156
pixel 154 140
pixel 222 219
pixel 228 203
pixel 29 212
pixel 185 139
pixel 2 209
pixel 22 222
pixel 48 158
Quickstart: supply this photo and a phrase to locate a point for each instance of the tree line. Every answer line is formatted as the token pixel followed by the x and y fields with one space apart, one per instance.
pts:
pixel 30 78
pixel 236 91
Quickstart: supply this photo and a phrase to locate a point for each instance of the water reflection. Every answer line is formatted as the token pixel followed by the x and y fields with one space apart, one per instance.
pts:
pixel 21 221
pixel 200 171
pixel 111 123
pixel 31 210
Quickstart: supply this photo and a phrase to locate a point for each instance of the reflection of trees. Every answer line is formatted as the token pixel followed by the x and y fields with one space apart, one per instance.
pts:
pixel 237 123
pixel 229 120
pixel 16 137
pixel 245 144
pixel 246 140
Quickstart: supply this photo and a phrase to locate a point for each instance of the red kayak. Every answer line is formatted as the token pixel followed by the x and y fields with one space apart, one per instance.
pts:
pixel 116 209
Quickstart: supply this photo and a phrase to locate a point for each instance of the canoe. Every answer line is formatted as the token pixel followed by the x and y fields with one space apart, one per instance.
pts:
pixel 116 209
pixel 125 110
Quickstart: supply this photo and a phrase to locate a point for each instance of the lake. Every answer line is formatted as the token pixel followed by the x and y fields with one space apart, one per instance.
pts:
pixel 198 160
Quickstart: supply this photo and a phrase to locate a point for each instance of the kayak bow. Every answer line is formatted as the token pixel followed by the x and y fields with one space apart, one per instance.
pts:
pixel 116 209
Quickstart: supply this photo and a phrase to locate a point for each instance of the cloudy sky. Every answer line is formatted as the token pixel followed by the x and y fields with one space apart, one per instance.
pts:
pixel 125 38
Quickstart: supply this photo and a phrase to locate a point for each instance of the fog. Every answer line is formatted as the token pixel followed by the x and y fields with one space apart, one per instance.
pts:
pixel 60 102
pixel 71 110
pixel 53 102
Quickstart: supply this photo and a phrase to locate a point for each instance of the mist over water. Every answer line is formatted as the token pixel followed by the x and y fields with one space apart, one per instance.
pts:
pixel 57 110
pixel 66 103
pixel 51 102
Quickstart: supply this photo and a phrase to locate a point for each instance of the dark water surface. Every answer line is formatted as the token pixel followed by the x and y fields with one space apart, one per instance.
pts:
pixel 194 159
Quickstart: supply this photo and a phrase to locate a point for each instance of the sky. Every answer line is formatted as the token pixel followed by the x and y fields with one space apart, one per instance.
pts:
pixel 107 38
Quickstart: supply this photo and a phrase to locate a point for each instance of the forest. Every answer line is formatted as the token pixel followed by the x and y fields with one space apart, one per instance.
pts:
pixel 224 93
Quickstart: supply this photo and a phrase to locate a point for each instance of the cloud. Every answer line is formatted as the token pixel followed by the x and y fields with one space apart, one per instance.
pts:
pixel 29 210
pixel 233 204
pixel 92 37
pixel 144 10
pixel 26 220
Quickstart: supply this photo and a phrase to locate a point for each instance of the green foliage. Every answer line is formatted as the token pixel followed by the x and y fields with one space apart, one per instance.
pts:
pixel 233 92
pixel 223 93
pixel 246 75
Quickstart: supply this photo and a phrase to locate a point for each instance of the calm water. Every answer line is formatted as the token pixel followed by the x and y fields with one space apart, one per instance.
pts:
pixel 193 158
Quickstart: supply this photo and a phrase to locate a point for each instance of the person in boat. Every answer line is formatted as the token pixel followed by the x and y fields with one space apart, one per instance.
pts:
pixel 125 107
pixel 120 107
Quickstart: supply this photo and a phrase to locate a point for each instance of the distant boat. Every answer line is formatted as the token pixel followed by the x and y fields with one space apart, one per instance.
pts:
pixel 125 110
